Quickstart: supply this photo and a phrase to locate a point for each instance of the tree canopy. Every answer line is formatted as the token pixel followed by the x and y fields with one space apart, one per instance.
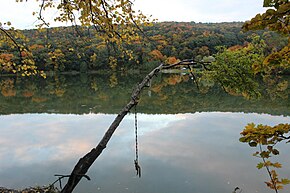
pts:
pixel 115 22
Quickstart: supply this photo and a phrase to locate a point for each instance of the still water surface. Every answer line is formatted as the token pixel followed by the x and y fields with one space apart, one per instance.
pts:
pixel 193 147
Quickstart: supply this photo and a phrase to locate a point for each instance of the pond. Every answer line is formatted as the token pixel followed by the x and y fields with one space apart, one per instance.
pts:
pixel 188 139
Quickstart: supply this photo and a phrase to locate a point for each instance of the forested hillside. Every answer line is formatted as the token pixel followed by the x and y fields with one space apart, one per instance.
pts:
pixel 66 49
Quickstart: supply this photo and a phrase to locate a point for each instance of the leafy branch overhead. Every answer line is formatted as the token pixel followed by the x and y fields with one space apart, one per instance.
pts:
pixel 115 21
pixel 15 40
pixel 276 18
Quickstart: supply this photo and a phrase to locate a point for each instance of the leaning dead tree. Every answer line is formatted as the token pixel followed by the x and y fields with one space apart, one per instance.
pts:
pixel 86 161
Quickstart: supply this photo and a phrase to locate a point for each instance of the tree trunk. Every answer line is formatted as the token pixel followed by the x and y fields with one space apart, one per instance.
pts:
pixel 85 162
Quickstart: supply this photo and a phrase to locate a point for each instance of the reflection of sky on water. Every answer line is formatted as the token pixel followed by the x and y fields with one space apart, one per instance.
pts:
pixel 178 153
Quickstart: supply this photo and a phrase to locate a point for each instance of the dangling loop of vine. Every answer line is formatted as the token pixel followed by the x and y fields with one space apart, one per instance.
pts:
pixel 136 163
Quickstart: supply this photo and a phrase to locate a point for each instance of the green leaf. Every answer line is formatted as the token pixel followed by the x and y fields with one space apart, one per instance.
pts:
pixel 260 165
pixel 268 3
pixel 243 139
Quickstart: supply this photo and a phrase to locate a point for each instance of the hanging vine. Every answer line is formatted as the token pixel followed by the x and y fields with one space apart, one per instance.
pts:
pixel 136 161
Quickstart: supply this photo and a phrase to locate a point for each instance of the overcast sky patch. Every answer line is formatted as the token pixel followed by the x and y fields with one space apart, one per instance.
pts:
pixel 20 14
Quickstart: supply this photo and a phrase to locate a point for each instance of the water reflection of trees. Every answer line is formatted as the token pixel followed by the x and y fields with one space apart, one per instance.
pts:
pixel 83 93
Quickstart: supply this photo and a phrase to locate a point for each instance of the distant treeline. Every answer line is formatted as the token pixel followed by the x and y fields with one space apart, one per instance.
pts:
pixel 65 49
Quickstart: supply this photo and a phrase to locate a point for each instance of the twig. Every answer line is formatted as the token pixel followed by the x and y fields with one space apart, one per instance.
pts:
pixel 185 62
pixel 60 177
pixel 40 13
pixel 193 77
pixel 268 170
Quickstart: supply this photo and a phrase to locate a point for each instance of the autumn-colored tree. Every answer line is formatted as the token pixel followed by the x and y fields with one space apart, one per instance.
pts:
pixel 157 55
pixel 276 18
pixel 171 60
pixel 23 62
pixel 114 21
pixel 57 58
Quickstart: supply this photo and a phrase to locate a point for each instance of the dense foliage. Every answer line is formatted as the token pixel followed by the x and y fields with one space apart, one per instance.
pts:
pixel 276 18
pixel 65 49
